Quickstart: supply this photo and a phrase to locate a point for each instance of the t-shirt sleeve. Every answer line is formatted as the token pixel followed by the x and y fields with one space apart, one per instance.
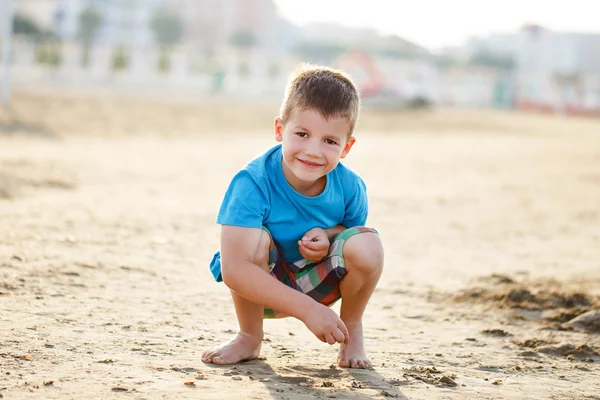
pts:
pixel 245 203
pixel 357 205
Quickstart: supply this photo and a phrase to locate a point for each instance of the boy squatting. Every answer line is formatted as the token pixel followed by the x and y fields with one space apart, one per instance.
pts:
pixel 293 239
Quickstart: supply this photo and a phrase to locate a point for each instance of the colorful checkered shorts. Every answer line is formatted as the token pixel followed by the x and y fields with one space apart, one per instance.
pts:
pixel 319 280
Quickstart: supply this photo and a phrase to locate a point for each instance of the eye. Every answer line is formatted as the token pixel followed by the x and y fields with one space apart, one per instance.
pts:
pixel 329 141
pixel 302 134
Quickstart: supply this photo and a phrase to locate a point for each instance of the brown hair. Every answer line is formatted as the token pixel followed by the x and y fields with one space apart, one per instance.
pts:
pixel 326 90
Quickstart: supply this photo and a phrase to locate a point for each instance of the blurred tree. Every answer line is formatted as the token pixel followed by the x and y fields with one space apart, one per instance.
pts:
pixel 120 59
pixel 397 53
pixel 567 78
pixel 243 39
pixel 487 59
pixel 168 30
pixel 48 52
pixel 24 25
pixel 90 21
pixel 321 52
pixel 446 61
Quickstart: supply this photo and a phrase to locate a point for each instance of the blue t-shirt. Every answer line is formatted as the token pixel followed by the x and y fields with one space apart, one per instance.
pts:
pixel 260 196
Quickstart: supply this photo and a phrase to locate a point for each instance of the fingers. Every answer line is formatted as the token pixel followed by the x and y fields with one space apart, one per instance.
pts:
pixel 312 255
pixel 333 337
pixel 307 254
pixel 330 339
pixel 316 243
pixel 315 233
pixel 344 330
pixel 339 336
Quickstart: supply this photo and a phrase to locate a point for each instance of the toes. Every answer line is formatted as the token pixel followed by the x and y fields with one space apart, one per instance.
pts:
pixel 352 363
pixel 219 360
pixel 343 363
pixel 361 362
pixel 208 356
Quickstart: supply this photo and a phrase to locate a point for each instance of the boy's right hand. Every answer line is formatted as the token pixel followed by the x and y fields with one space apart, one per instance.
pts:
pixel 326 325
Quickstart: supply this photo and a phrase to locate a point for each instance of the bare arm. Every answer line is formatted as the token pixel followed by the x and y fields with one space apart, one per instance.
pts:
pixel 240 249
pixel 241 253
pixel 331 232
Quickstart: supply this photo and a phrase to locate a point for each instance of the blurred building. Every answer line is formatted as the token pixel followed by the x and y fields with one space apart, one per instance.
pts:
pixel 499 44
pixel 558 72
pixel 244 48
pixel 476 86
pixel 210 23
pixel 324 42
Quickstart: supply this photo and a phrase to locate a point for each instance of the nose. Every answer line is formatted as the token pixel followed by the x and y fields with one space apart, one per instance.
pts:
pixel 313 148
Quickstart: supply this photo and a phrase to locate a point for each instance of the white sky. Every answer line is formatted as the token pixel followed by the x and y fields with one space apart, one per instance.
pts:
pixel 437 23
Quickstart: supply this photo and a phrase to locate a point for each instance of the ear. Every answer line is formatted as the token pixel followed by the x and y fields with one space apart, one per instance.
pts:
pixel 348 146
pixel 278 129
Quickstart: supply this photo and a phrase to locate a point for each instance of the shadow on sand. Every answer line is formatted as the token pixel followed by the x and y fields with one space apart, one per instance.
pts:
pixel 315 382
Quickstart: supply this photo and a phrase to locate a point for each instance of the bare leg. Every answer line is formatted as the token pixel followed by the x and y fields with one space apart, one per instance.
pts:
pixel 363 255
pixel 246 344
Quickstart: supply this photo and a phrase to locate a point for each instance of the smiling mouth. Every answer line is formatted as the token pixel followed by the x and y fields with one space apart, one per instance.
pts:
pixel 310 164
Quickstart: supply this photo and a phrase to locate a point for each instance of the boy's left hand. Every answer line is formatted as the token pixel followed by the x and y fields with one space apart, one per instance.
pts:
pixel 314 245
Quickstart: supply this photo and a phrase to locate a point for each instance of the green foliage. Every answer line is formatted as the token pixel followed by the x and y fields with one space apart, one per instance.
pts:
pixel 48 53
pixel 85 57
pixel 167 27
pixel 446 61
pixel 321 52
pixel 218 81
pixel 120 59
pixel 486 59
pixel 328 51
pixel 23 25
pixel 164 62
pixel 90 21
pixel 567 78
pixel 244 39
pixel 397 53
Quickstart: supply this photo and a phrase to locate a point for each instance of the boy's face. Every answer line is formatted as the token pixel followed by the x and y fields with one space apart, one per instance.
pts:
pixel 312 145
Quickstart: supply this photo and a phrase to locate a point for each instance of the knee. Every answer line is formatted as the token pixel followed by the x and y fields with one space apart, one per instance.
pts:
pixel 364 252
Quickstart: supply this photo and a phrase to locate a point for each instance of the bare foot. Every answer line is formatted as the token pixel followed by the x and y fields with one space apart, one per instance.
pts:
pixel 241 348
pixel 352 355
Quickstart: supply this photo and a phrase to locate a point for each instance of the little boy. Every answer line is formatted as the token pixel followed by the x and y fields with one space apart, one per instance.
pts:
pixel 293 239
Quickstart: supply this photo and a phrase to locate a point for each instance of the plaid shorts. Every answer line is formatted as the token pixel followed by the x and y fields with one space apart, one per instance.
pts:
pixel 319 280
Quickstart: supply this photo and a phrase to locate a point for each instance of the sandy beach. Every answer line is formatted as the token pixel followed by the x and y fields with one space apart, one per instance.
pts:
pixel 490 220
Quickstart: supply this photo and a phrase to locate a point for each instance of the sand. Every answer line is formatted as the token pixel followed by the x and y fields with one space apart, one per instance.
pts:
pixel 491 224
